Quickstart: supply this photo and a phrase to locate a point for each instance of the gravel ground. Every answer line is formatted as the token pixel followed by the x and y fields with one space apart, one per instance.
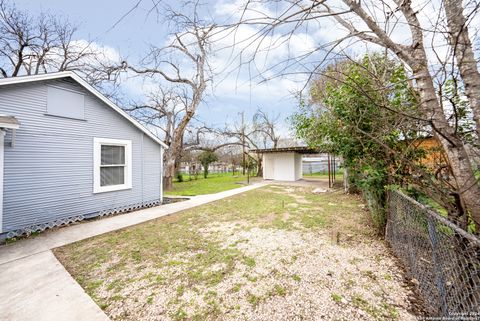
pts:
pixel 307 276
pixel 285 274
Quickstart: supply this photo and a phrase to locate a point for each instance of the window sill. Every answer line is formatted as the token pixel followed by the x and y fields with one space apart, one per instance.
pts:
pixel 113 188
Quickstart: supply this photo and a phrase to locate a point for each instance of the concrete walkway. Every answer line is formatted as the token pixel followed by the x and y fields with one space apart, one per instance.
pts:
pixel 39 288
pixel 35 286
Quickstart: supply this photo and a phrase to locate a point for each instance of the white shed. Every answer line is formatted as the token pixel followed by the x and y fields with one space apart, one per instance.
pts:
pixel 283 164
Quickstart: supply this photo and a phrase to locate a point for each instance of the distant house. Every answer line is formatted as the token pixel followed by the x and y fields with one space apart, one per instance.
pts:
pixel 68 153
pixel 318 163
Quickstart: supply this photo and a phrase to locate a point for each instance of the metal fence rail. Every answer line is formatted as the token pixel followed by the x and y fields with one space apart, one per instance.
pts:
pixel 443 258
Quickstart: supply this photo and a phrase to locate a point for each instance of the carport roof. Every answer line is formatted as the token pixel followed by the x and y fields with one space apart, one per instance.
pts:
pixel 296 149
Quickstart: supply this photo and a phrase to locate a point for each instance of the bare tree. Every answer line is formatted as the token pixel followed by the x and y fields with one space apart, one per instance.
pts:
pixel 267 127
pixel 260 132
pixel 183 65
pixel 163 110
pixel 463 52
pixel 32 45
pixel 372 22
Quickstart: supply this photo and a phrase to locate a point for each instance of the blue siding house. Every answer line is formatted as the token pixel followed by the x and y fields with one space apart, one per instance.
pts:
pixel 68 153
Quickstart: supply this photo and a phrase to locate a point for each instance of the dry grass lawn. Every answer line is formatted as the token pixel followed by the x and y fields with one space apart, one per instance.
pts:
pixel 275 253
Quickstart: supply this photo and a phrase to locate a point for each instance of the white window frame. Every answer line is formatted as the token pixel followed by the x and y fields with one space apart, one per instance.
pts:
pixel 97 156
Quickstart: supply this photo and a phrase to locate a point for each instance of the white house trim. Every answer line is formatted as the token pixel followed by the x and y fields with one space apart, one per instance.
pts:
pixel 161 175
pixel 97 146
pixel 9 126
pixel 77 78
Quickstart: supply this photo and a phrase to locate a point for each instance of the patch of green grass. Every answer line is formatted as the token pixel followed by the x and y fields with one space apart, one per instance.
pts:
pixel 94 285
pixel 336 297
pixel 359 302
pixel 390 311
pixel 150 300
pixel 313 220
pixel 180 290
pixel 180 314
pixel 348 284
pixel 296 277
pixel 237 287
pixel 249 261
pixel 324 175
pixel 136 256
pixel 116 285
pixel 214 183
pixel 117 297
pixel 253 299
pixel 252 279
pixel 370 275
pixel 160 279
pixel 279 290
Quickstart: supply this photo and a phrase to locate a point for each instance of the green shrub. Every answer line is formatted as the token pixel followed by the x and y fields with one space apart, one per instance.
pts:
pixel 179 177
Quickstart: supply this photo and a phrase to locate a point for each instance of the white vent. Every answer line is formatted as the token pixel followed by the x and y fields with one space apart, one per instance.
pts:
pixel 65 103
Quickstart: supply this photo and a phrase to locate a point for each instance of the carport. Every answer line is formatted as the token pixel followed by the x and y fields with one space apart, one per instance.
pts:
pixel 283 164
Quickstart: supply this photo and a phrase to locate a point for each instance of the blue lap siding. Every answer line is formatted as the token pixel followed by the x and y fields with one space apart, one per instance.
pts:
pixel 48 173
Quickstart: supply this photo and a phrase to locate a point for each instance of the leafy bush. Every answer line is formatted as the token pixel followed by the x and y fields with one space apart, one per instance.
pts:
pixel 179 177
pixel 206 158
pixel 358 110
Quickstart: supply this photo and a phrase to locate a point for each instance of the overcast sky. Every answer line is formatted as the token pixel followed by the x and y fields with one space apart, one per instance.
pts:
pixel 131 37
pixel 231 92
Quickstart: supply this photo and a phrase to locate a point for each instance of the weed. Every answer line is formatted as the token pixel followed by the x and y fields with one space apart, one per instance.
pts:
pixel 253 299
pixel 236 287
pixel 391 311
pixel 249 261
pixel 336 297
pixel 279 290
pixel 180 314
pixel 252 279
pixel 117 297
pixel 180 290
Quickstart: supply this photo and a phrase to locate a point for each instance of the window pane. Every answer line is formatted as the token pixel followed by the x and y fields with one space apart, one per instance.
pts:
pixel 113 155
pixel 114 175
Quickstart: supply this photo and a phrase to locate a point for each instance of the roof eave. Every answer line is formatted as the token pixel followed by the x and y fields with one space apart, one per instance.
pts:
pixel 81 81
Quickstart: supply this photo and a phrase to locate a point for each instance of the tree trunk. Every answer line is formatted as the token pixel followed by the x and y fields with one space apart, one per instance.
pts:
pixel 169 169
pixel 260 166
pixel 467 65
pixel 415 57
pixel 205 171
pixel 459 161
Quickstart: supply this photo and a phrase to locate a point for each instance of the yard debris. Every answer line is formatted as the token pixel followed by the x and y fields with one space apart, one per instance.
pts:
pixel 319 190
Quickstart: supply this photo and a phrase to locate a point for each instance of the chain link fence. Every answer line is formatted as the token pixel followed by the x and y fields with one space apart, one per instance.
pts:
pixel 443 259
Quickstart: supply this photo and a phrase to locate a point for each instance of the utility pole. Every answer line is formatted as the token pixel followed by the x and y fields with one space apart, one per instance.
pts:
pixel 243 142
